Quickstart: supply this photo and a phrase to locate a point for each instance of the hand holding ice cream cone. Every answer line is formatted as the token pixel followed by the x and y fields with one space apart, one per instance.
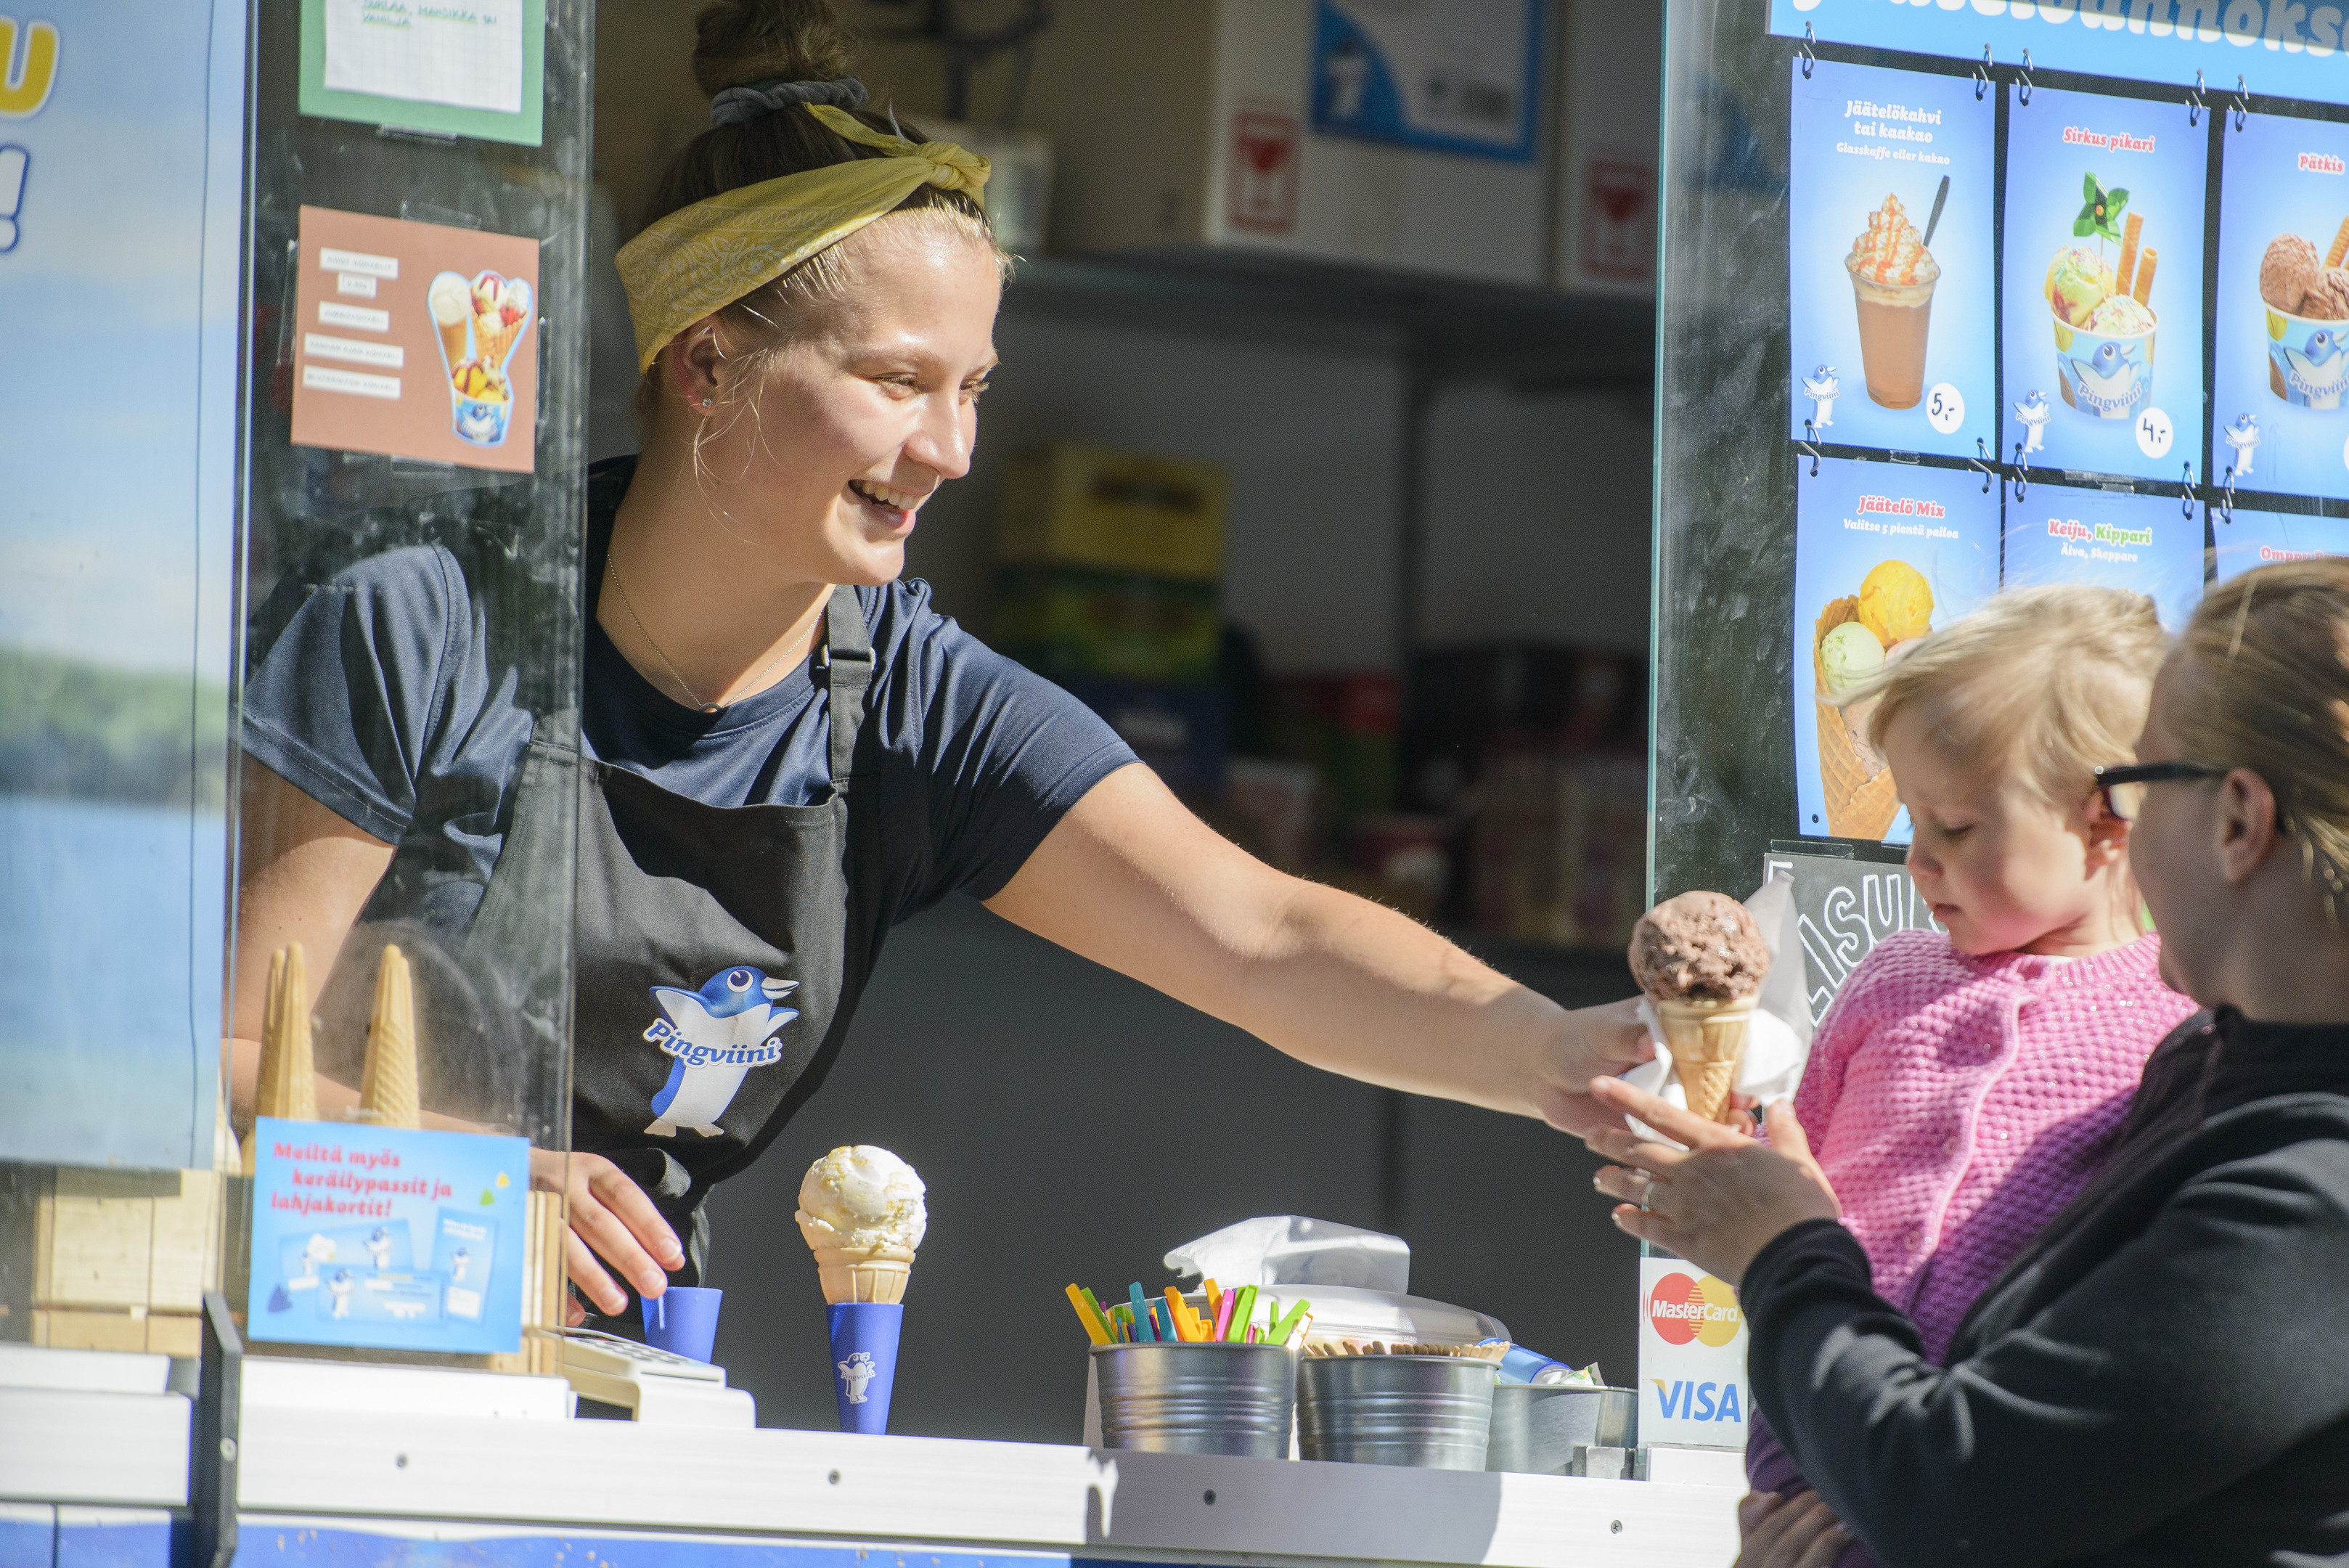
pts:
pixel 1700 960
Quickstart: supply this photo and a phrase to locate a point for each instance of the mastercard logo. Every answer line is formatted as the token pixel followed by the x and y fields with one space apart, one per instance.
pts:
pixel 1680 1309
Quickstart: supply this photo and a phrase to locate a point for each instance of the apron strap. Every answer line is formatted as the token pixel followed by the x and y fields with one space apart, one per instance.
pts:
pixel 846 659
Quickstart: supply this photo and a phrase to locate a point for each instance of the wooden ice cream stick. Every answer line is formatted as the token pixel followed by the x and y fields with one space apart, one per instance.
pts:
pixel 387 1092
pixel 2122 274
pixel 2145 275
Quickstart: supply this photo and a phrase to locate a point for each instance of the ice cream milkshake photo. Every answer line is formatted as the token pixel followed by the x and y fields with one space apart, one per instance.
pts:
pixel 2104 324
pixel 862 1214
pixel 1892 280
pixel 2305 305
pixel 1701 961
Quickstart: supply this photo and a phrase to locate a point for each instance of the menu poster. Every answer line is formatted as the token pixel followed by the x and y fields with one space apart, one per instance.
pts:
pixel 416 340
pixel 1891 276
pixel 477 69
pixel 2146 542
pixel 2103 246
pixel 2251 539
pixel 391 1238
pixel 2280 400
pixel 1884 553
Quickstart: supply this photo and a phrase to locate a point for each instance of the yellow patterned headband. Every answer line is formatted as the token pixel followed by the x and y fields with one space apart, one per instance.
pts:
pixel 705 257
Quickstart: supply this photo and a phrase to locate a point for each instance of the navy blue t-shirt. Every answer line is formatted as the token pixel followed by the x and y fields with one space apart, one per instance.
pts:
pixel 394 696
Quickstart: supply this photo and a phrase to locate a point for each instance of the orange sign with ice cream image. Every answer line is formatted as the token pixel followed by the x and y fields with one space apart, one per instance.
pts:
pixel 414 340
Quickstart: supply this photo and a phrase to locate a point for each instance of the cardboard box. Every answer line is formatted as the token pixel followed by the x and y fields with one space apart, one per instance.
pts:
pixel 1074 504
pixel 1064 621
pixel 1410 134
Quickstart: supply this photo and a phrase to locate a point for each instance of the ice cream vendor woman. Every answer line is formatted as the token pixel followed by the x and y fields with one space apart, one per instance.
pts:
pixel 784 749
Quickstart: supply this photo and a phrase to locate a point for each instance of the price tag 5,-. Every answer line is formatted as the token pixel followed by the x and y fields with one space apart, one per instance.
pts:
pixel 1945 408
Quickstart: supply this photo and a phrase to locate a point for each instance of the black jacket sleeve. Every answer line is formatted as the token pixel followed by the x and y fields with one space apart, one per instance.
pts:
pixel 2185 1358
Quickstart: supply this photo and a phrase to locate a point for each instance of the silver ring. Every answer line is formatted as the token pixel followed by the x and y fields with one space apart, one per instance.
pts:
pixel 1646 1196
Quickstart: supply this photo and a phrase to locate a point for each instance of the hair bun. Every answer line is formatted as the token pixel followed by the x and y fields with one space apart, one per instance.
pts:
pixel 737 42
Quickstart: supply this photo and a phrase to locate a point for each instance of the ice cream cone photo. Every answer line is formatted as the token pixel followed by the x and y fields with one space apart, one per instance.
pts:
pixel 449 299
pixel 1706 1041
pixel 1861 801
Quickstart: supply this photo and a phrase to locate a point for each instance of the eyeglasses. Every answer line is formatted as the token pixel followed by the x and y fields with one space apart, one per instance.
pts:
pixel 2109 779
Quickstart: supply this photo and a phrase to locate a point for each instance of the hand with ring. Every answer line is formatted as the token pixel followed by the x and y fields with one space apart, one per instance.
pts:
pixel 1717 1202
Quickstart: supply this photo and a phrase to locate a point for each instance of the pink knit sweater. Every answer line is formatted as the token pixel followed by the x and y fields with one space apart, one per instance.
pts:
pixel 1956 1104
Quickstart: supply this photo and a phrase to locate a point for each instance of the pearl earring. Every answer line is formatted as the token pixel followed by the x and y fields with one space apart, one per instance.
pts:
pixel 705 402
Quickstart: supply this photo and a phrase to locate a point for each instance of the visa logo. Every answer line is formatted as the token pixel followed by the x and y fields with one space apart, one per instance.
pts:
pixel 1687 1401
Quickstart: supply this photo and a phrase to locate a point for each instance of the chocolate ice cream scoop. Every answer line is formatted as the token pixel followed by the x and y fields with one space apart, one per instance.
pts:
pixel 2288 271
pixel 1699 947
pixel 2327 298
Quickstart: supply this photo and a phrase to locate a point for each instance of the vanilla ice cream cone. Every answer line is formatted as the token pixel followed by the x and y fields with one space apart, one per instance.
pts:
pixel 862 1214
pixel 388 1090
pixel 864 1274
pixel 1861 799
pixel 1706 1041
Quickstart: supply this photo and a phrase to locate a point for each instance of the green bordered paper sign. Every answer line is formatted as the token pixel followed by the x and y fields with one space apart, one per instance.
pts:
pixel 457 67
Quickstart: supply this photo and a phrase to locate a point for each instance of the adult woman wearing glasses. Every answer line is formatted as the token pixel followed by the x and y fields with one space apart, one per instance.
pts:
pixel 2157 1379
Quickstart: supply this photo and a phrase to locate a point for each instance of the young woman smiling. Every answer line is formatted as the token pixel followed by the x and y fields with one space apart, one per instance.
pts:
pixel 782 749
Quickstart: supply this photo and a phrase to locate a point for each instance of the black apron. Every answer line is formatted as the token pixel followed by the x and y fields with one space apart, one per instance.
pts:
pixel 718 953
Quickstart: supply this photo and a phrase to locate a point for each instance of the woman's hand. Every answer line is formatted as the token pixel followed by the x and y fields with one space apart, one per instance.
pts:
pixel 1781 1531
pixel 1597 1043
pixel 610 1217
pixel 1720 1200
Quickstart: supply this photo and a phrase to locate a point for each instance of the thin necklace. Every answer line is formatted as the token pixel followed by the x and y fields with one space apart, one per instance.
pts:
pixel 612 570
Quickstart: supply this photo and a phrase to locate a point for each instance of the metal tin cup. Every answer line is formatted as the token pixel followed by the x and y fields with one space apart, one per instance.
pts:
pixel 1536 1428
pixel 1431 1412
pixel 1197 1399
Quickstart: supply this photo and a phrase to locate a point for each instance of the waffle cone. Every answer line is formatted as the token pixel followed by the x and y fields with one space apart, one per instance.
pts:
pixel 1861 804
pixel 864 1274
pixel 1706 1041
pixel 288 1088
pixel 388 1089
pixel 452 343
pixel 496 340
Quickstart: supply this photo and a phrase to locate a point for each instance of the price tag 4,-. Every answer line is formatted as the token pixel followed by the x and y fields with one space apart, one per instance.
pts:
pixel 2154 433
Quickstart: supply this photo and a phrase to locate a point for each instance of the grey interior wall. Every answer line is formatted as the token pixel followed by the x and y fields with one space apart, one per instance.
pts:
pixel 1537 514
pixel 1073 1124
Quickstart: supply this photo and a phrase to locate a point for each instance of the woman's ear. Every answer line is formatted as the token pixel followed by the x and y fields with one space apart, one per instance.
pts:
pixel 694 359
pixel 2247 827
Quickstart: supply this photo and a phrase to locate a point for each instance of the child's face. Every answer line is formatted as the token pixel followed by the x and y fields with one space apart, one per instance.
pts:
pixel 2001 868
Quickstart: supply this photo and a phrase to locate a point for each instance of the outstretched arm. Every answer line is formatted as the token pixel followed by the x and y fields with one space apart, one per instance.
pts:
pixel 1132 879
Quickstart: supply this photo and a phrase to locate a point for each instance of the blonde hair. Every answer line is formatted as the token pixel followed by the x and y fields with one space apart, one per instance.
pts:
pixel 2051 682
pixel 2272 648
pixel 739 42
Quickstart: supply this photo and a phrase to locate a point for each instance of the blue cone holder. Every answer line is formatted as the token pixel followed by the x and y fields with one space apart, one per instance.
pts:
pixel 683 1319
pixel 864 1362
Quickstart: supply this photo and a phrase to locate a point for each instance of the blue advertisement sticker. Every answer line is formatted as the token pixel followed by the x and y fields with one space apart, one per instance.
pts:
pixel 2104 245
pixel 386 1237
pixel 2263 538
pixel 2280 383
pixel 2296 46
pixel 1884 553
pixel 2146 542
pixel 1462 77
pixel 1892 274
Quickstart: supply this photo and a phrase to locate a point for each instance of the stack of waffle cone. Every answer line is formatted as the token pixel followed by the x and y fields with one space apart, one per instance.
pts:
pixel 1860 796
pixel 1706 1041
pixel 288 1088
pixel 387 1092
pixel 858 1273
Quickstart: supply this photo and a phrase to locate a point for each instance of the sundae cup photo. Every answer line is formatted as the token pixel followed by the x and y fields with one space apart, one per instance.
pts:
pixel 1852 640
pixel 1893 277
pixel 2102 324
pixel 479 320
pixel 2305 301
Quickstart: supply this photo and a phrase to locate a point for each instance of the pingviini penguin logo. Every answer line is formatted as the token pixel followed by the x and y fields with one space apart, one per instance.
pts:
pixel 717 1034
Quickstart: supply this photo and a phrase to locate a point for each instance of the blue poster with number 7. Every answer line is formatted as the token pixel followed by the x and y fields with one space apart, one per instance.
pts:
pixel 2103 285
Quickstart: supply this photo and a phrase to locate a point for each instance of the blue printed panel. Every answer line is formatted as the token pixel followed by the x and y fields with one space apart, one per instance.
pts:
pixel 1909 366
pixel 2263 538
pixel 2145 542
pixel 2095 378
pixel 284 1544
pixel 28 1535
pixel 119 1538
pixel 1883 554
pixel 2290 47
pixel 2280 382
